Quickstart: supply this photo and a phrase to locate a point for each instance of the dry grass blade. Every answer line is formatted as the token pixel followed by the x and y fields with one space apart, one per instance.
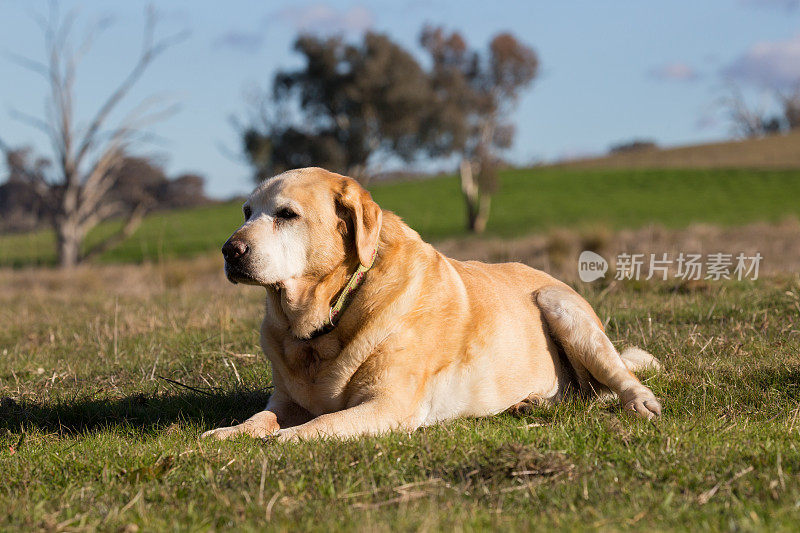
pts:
pixel 707 495
pixel 189 387
pixel 405 497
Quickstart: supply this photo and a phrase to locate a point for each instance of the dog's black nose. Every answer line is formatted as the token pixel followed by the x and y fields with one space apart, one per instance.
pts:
pixel 234 249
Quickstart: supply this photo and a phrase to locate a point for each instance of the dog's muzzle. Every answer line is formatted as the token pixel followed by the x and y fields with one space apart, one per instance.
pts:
pixel 236 253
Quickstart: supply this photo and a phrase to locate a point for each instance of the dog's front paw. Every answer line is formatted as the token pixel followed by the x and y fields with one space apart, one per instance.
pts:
pixel 257 426
pixel 642 403
pixel 285 435
pixel 221 433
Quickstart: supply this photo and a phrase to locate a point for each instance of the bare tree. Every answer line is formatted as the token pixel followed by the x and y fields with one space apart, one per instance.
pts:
pixel 747 122
pixel 74 183
pixel 750 121
pixel 790 105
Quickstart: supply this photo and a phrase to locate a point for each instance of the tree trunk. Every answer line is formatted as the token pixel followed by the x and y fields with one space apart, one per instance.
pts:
pixel 482 214
pixel 469 188
pixel 69 244
pixel 477 203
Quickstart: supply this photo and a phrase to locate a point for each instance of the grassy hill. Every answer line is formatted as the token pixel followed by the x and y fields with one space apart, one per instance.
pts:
pixel 776 151
pixel 530 200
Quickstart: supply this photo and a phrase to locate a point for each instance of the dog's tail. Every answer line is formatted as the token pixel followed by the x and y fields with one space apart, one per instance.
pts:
pixel 638 360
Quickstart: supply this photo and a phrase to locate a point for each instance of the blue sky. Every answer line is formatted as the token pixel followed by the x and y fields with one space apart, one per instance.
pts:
pixel 612 70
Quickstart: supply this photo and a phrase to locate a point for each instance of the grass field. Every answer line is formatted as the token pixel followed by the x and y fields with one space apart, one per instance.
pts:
pixel 92 437
pixel 530 200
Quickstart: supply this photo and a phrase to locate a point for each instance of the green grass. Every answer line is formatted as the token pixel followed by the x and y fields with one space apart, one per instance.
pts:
pixel 92 438
pixel 530 200
pixel 166 234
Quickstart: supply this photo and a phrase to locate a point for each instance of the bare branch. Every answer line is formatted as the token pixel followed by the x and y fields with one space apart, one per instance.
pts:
pixel 102 176
pixel 88 40
pixel 99 182
pixel 32 121
pixel 746 122
pixel 150 114
pixel 131 224
pixel 103 212
pixel 27 63
pixel 150 50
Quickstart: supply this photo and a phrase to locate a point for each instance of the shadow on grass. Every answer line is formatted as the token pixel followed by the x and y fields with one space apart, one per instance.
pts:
pixel 214 408
pixel 141 412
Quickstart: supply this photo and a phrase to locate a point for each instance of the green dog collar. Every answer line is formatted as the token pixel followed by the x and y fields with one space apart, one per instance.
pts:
pixel 344 297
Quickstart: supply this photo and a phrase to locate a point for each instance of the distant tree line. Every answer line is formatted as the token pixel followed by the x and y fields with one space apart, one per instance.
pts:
pixel 139 184
pixel 635 145
pixel 353 103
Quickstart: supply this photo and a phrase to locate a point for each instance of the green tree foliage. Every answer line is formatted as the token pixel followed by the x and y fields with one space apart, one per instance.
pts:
pixel 351 103
pixel 476 94
pixel 346 104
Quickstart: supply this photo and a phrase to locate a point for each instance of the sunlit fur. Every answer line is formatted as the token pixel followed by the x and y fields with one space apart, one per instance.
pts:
pixel 424 339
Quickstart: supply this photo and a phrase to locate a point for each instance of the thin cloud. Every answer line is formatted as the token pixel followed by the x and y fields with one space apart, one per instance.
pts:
pixel 788 5
pixel 706 121
pixel 674 72
pixel 245 41
pixel 313 18
pixel 774 65
pixel 322 18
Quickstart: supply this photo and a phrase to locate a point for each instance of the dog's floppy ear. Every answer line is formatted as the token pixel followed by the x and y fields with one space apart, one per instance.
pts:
pixel 365 215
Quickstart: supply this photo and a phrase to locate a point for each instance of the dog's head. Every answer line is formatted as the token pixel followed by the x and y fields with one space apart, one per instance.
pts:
pixel 302 224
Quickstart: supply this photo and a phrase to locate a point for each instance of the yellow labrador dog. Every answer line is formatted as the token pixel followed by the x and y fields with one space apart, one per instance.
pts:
pixel 368 328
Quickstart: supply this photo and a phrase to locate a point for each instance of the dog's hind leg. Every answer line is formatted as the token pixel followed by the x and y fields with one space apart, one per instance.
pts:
pixel 573 324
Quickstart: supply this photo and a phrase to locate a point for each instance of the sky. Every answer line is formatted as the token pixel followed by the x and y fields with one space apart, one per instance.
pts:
pixel 611 71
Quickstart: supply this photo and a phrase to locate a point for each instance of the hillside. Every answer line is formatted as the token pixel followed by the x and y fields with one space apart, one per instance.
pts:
pixel 779 151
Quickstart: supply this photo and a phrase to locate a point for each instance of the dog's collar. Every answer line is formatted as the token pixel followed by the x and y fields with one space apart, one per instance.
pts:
pixel 344 298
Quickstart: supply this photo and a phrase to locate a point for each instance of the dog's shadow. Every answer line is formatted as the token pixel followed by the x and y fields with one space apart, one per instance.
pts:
pixel 138 412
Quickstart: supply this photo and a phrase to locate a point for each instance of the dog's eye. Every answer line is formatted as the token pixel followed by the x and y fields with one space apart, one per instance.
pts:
pixel 247 212
pixel 286 213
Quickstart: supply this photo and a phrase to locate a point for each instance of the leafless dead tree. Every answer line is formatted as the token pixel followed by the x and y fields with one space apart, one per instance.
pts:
pixel 790 104
pixel 75 183
pixel 754 121
pixel 746 122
